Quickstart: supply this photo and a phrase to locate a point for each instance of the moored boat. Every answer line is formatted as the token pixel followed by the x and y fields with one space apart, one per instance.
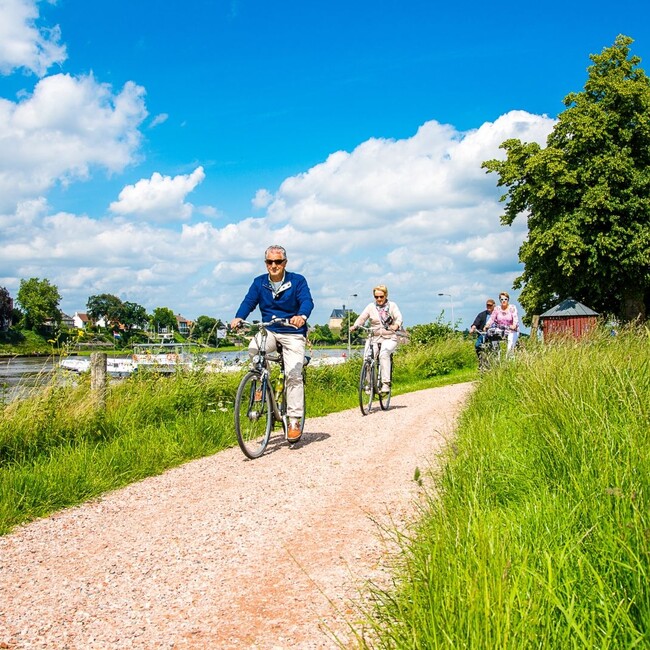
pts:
pixel 161 357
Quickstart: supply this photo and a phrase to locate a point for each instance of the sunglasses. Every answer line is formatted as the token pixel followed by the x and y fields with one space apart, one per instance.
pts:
pixel 503 299
pixel 379 296
pixel 272 262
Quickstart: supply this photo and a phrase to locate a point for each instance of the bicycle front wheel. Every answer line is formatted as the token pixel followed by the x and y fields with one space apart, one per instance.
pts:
pixel 366 386
pixel 253 415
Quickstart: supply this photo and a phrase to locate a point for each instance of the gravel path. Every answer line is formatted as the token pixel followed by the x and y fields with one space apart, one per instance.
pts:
pixel 224 552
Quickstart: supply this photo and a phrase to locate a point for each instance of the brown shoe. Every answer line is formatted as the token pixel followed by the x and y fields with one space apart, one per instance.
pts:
pixel 293 432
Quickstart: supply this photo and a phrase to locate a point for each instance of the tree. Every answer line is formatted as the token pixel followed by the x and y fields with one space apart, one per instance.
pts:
pixel 587 194
pixel 133 316
pixel 6 309
pixel 105 306
pixel 322 334
pixel 205 330
pixel 163 320
pixel 40 302
pixel 356 336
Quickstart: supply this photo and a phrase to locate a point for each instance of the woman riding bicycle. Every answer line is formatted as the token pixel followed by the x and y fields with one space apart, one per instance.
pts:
pixel 506 317
pixel 385 319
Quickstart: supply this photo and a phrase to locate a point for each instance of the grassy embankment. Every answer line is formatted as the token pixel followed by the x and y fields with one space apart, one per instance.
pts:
pixel 538 532
pixel 57 451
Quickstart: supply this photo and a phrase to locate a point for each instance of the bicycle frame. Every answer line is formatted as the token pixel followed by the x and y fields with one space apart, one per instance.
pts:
pixel 262 365
pixel 371 380
pixel 489 349
pixel 259 403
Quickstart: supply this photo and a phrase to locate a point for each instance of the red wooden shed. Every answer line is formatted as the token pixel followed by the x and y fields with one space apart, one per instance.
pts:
pixel 570 317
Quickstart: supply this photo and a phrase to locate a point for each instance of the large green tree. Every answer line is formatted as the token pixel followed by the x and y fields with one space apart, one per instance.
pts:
pixel 106 306
pixel 205 330
pixel 40 302
pixel 586 195
pixel 163 319
pixel 133 316
pixel 322 334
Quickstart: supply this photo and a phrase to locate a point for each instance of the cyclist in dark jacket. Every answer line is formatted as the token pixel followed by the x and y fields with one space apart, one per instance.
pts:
pixel 480 322
pixel 282 294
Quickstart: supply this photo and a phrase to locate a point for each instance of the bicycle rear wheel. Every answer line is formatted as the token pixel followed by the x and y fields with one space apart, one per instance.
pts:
pixel 253 415
pixel 384 398
pixel 366 386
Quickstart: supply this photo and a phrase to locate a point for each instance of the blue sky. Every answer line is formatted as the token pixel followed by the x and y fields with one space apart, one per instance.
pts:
pixel 152 150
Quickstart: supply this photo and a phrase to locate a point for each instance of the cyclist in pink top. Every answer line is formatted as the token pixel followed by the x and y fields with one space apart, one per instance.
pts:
pixel 506 317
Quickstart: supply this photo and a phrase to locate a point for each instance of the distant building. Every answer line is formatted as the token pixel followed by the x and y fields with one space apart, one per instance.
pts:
pixel 184 325
pixel 81 320
pixel 336 319
pixel 569 318
pixel 67 321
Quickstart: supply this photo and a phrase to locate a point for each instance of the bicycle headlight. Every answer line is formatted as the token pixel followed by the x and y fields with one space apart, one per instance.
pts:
pixel 257 358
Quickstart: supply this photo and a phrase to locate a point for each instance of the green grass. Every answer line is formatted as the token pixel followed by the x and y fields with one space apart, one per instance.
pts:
pixel 23 342
pixel 56 450
pixel 538 535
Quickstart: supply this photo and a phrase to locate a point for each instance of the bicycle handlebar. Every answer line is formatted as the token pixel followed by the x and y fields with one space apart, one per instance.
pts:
pixel 377 330
pixel 273 321
pixel 497 331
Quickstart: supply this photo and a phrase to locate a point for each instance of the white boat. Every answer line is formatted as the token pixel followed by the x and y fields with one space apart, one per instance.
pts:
pixel 76 364
pixel 117 367
pixel 161 357
pixel 167 358
pixel 120 367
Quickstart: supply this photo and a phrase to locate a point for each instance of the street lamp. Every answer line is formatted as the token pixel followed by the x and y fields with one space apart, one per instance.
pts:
pixel 352 295
pixel 451 300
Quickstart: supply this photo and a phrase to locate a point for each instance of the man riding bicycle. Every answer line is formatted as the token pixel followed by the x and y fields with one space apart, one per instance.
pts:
pixel 479 325
pixel 385 319
pixel 282 294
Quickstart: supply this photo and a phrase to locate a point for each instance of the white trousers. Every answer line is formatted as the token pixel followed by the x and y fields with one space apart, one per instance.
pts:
pixel 293 353
pixel 512 341
pixel 387 348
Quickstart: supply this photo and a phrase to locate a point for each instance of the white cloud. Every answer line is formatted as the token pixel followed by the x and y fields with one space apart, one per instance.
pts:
pixel 22 43
pixel 262 199
pixel 392 181
pixel 418 214
pixel 161 118
pixel 63 129
pixel 160 198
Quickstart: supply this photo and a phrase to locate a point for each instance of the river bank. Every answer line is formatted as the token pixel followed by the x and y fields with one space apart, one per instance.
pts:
pixel 22 374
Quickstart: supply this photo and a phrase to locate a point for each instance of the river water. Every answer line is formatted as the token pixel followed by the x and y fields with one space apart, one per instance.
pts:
pixel 19 375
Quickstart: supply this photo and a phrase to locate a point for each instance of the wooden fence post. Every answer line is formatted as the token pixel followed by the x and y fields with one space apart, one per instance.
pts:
pixel 98 378
pixel 534 327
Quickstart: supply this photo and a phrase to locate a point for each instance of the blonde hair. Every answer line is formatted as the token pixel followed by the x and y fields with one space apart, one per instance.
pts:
pixel 380 287
pixel 504 293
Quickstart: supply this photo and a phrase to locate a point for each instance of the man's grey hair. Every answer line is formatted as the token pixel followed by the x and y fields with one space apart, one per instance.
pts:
pixel 276 248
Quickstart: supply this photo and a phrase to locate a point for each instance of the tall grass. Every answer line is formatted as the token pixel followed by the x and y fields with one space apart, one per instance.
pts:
pixel 538 535
pixel 56 450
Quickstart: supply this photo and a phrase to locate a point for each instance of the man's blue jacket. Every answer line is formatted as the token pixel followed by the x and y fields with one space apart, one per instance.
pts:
pixel 293 298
